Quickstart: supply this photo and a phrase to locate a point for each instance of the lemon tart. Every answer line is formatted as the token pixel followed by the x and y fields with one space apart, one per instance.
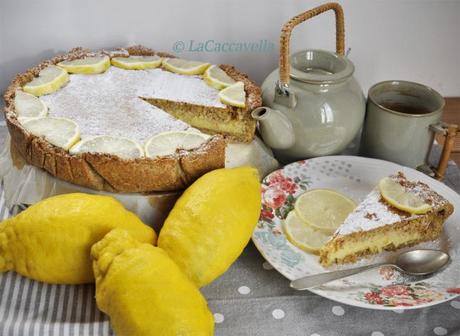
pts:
pixel 121 101
pixel 377 225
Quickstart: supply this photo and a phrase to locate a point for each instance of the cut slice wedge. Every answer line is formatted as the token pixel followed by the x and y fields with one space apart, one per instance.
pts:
pixel 119 146
pixel 61 132
pixel 87 65
pixel 137 62
pixel 217 78
pixel 323 209
pixel 167 143
pixel 234 95
pixel 49 80
pixel 27 105
pixel 184 67
pixel 397 196
pixel 303 235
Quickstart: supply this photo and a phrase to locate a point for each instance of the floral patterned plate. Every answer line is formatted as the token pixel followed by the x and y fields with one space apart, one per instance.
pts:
pixel 355 177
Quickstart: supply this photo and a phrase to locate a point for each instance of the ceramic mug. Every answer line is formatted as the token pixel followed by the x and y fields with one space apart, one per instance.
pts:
pixel 401 120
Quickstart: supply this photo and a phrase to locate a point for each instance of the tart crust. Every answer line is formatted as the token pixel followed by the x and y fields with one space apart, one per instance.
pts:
pixel 112 173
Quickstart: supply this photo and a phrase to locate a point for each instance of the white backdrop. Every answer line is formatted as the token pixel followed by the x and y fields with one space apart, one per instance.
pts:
pixel 416 40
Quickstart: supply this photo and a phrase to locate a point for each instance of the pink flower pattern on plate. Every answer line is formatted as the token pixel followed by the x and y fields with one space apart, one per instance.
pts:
pixel 402 295
pixel 387 272
pixel 274 198
pixel 279 193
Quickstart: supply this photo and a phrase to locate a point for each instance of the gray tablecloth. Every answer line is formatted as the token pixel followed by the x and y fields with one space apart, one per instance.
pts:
pixel 249 299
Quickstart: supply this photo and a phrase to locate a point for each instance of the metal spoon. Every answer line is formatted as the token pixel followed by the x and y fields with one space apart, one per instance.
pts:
pixel 416 262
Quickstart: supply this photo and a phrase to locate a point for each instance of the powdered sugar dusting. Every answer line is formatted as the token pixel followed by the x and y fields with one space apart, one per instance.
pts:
pixel 109 103
pixel 370 214
pixel 167 85
pixel 374 212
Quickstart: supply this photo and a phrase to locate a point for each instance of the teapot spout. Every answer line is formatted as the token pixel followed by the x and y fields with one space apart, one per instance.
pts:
pixel 274 127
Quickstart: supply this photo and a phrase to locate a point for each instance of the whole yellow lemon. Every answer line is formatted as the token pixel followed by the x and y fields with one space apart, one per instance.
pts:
pixel 51 240
pixel 144 292
pixel 212 222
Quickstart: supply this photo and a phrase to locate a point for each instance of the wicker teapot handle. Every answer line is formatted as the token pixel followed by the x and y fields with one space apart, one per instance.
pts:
pixel 289 26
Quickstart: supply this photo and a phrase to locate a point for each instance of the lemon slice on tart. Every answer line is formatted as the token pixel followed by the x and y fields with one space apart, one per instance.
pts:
pixel 303 235
pixel 167 143
pixel 184 67
pixel 234 95
pixel 122 147
pixel 217 78
pixel 86 65
pixel 49 80
pixel 137 62
pixel 395 194
pixel 61 132
pixel 323 209
pixel 27 105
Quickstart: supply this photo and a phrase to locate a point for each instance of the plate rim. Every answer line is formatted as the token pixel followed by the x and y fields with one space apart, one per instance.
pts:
pixel 355 303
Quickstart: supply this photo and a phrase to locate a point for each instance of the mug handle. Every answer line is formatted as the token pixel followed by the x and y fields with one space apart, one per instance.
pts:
pixel 449 131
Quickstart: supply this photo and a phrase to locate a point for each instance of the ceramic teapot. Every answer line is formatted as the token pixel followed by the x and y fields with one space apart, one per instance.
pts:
pixel 313 106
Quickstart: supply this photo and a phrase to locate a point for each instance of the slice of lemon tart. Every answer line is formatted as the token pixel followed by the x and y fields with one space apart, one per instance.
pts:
pixel 142 121
pixel 397 213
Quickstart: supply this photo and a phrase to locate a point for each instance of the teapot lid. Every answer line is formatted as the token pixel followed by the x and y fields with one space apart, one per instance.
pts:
pixel 320 67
